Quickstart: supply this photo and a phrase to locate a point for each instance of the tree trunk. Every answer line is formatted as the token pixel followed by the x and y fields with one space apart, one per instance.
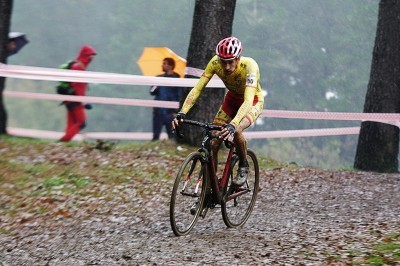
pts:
pixel 212 21
pixel 378 143
pixel 5 20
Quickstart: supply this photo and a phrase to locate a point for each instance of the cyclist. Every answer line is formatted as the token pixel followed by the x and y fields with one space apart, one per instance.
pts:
pixel 242 103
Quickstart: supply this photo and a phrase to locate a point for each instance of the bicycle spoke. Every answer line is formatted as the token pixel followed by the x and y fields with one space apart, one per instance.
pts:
pixel 239 201
pixel 188 190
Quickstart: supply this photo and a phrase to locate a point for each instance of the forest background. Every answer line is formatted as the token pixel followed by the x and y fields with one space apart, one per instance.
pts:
pixel 313 56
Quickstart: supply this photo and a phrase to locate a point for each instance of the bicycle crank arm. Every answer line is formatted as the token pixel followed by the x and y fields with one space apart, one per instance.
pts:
pixel 193 195
pixel 237 194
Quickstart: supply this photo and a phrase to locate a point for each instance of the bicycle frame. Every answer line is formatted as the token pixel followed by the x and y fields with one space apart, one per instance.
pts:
pixel 217 185
pixel 193 195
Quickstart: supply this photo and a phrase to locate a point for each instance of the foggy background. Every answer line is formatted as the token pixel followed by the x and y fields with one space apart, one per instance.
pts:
pixel 313 56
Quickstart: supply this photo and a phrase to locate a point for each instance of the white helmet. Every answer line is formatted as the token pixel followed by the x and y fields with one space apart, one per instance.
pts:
pixel 229 48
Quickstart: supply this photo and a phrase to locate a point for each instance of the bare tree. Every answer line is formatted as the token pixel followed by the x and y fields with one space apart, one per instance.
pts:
pixel 378 144
pixel 212 21
pixel 5 21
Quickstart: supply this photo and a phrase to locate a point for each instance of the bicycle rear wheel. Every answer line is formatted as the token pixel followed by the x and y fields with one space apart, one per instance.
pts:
pixel 239 202
pixel 188 194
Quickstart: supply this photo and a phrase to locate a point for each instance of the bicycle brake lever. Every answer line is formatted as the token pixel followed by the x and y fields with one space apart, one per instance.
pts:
pixel 228 144
pixel 178 132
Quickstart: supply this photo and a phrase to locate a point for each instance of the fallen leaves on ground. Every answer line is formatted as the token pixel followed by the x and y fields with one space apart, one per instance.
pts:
pixel 80 204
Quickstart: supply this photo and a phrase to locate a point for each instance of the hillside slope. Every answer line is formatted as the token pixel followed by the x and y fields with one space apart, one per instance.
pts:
pixel 104 204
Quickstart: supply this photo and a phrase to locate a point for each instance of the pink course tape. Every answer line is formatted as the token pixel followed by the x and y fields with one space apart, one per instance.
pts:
pixel 392 117
pixel 90 99
pixel 32 133
pixel 389 118
pixel 43 134
pixel 38 73
pixel 302 133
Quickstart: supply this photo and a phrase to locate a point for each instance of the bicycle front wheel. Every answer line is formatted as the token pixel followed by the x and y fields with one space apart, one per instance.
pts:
pixel 239 202
pixel 188 194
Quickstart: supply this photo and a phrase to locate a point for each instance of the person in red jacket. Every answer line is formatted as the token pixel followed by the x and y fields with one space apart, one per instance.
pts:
pixel 76 117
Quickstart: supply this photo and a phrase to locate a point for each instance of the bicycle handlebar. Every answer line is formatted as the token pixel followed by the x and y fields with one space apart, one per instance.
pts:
pixel 207 126
pixel 202 124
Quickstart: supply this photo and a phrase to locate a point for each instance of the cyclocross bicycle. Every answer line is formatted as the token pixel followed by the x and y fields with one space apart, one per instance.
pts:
pixel 197 187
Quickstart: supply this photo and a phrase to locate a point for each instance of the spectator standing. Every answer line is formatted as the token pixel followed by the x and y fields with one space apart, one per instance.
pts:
pixel 76 116
pixel 164 116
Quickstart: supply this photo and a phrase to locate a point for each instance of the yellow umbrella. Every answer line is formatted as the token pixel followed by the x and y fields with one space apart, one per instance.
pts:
pixel 152 57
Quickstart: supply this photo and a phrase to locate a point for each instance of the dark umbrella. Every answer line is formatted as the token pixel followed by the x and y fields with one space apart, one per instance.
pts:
pixel 18 40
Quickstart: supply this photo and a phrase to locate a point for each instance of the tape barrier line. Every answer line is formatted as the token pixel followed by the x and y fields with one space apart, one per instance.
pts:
pixel 34 133
pixel 43 134
pixel 91 99
pixel 191 71
pixel 302 133
pixel 195 72
pixel 376 117
pixel 388 118
pixel 52 74
pixel 38 73
pixel 112 78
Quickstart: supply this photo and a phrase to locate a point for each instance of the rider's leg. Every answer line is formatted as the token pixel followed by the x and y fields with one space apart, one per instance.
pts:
pixel 241 149
pixel 215 145
pixel 221 118
pixel 241 142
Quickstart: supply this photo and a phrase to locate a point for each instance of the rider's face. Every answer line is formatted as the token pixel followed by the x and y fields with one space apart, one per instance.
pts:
pixel 229 66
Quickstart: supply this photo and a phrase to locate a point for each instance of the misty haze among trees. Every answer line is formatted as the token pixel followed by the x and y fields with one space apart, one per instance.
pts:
pixel 313 56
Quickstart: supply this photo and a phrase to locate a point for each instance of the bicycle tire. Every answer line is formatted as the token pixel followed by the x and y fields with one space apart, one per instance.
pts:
pixel 235 212
pixel 183 197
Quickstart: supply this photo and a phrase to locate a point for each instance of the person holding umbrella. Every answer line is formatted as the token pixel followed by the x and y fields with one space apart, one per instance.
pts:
pixel 164 116
pixel 16 40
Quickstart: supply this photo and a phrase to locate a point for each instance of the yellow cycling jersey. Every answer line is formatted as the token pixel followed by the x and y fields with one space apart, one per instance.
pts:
pixel 244 81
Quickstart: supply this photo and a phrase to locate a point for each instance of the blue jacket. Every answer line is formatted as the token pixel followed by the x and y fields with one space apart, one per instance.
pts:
pixel 165 93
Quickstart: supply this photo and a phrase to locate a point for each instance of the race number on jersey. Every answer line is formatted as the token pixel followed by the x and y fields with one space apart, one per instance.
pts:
pixel 251 80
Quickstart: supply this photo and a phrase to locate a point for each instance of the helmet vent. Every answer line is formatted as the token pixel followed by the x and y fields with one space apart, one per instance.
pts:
pixel 229 48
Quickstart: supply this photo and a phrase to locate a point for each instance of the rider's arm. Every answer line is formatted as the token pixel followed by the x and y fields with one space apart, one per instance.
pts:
pixel 194 94
pixel 252 80
pixel 246 105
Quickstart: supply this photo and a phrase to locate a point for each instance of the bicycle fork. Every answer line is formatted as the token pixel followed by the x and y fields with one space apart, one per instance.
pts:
pixel 187 180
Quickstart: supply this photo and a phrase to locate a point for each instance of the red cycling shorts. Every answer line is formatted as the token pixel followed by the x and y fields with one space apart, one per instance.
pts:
pixel 231 105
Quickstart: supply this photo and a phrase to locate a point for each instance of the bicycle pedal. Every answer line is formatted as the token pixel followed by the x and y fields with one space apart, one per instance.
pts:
pixel 194 208
pixel 203 212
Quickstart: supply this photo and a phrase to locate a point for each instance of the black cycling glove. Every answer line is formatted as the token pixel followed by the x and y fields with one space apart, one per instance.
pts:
pixel 179 116
pixel 230 128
